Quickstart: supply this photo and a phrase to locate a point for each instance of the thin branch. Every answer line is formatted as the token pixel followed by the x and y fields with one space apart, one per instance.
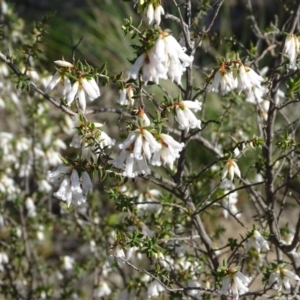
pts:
pixel 186 32
pixel 227 194
pixel 162 203
pixel 167 288
pixel 32 85
pixel 177 20
pixel 108 110
pixel 214 17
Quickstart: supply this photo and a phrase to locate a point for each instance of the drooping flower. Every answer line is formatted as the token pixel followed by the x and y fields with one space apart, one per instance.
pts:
pixel 102 290
pixel 86 184
pixel 126 96
pixel 81 88
pixel 142 116
pixel 152 69
pixel 154 288
pixel 257 241
pixel 229 203
pixel 234 284
pixel 3 260
pixel 248 79
pixel 256 96
pixel 71 187
pixel 130 95
pixel 232 169
pixel 169 151
pixel 185 116
pixel 131 166
pixel 136 150
pixel 176 59
pixel 223 80
pixel 166 59
pixel 117 253
pixel 40 233
pixel 158 12
pixel 60 78
pixel 280 279
pixel 68 262
pixel 154 13
pixel 292 49
pixel 30 207
pixel 150 13
pixel 122 99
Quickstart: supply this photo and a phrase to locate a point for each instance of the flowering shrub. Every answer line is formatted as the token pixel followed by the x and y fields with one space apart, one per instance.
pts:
pixel 190 193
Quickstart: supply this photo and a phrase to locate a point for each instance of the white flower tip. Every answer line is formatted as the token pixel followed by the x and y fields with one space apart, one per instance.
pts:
pixel 63 63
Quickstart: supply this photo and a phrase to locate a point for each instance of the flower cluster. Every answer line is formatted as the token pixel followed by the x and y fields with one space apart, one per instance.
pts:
pixel 184 115
pixel 72 187
pixel 82 88
pixel 166 59
pixel 142 146
pixel 60 78
pixel 237 77
pixel 137 149
pixel 154 13
pixel 168 152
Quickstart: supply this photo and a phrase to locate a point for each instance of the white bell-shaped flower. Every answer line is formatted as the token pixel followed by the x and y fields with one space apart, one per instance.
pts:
pixel 102 290
pixel 229 203
pixel 231 168
pixel 292 49
pixel 136 150
pixel 223 80
pixel 169 151
pixel 247 79
pixel 185 116
pixel 166 59
pixel 71 187
pixel 235 284
pixel 154 288
pixel 81 88
pixel 280 279
pixel 257 241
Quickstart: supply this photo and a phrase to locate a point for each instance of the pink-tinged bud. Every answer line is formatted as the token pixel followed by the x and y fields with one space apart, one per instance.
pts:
pixel 63 63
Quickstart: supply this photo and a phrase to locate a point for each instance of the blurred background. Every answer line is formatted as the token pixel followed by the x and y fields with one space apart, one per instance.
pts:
pixel 100 21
